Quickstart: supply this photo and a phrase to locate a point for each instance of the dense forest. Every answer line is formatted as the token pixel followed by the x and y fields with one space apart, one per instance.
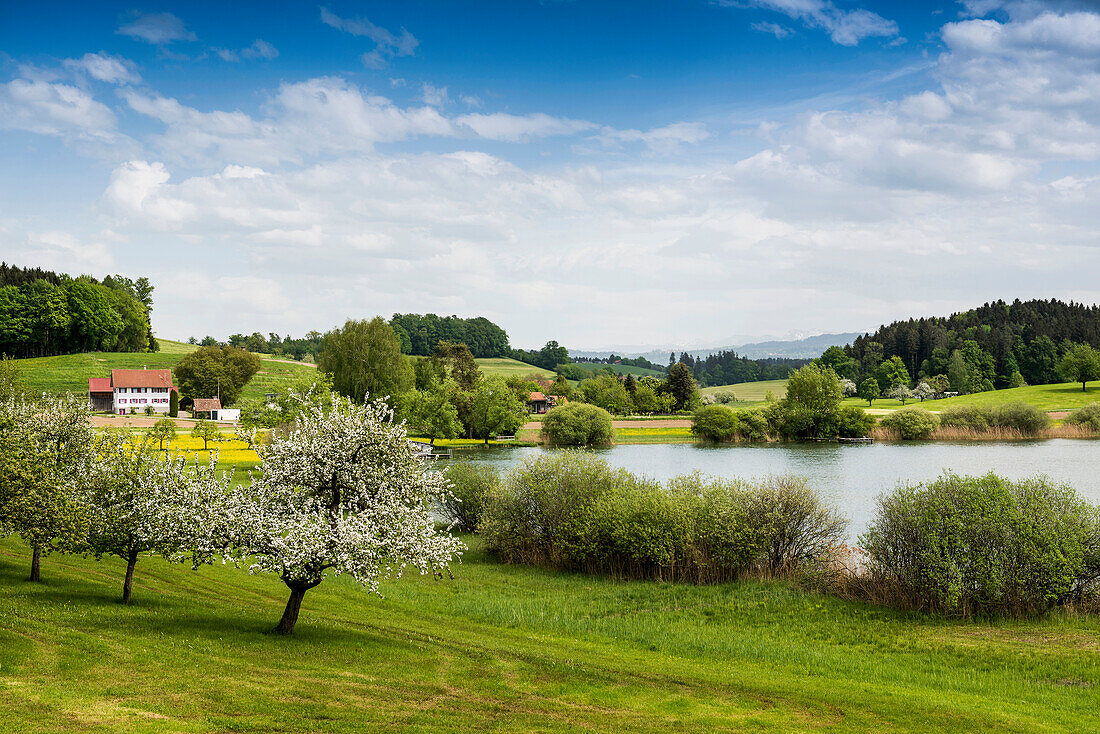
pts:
pixel 727 368
pixel 995 346
pixel 43 313
pixel 420 335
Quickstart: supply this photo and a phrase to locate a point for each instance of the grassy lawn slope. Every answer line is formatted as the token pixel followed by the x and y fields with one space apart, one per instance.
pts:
pixel 507 648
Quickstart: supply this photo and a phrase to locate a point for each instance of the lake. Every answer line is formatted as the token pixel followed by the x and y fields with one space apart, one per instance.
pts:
pixel 849 476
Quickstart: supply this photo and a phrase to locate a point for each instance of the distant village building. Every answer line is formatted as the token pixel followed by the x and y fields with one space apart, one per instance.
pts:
pixel 209 406
pixel 127 392
pixel 538 402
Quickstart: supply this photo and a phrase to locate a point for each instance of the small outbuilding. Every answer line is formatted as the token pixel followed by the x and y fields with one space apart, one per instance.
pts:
pixel 209 406
pixel 539 403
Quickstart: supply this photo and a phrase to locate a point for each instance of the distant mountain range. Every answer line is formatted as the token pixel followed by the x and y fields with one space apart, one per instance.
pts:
pixel 804 348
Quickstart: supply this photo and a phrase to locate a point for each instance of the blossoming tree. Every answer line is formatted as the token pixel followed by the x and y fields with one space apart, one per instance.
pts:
pixel 141 501
pixel 51 440
pixel 341 492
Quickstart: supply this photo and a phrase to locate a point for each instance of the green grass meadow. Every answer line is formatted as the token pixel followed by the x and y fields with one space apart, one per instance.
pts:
pixel 509 648
pixel 751 392
pixel 1063 396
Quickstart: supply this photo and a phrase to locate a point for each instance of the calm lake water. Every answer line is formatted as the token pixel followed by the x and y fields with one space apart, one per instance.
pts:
pixel 848 475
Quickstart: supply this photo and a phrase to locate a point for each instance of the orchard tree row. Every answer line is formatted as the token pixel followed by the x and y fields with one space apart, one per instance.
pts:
pixel 366 514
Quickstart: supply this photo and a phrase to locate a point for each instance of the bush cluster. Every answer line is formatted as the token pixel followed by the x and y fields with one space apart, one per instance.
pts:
pixel 722 423
pixel 1087 416
pixel 964 545
pixel 573 511
pixel 470 484
pixel 912 423
pixel 1023 417
pixel 578 424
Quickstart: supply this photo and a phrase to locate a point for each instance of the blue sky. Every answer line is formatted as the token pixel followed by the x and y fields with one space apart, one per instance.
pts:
pixel 600 173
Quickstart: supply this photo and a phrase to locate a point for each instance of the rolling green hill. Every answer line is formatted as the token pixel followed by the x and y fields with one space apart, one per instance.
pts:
pixel 751 392
pixel 1064 396
pixel 70 372
pixel 511 648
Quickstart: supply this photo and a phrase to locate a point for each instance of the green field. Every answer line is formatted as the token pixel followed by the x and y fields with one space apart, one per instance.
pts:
pixel 70 372
pixel 1065 396
pixel 502 367
pixel 508 648
pixel 751 392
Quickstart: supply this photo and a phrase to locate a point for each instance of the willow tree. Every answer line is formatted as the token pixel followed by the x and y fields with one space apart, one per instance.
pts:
pixel 339 493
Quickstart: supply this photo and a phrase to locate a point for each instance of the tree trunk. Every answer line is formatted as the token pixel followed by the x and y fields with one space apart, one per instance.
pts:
pixel 290 614
pixel 128 585
pixel 36 564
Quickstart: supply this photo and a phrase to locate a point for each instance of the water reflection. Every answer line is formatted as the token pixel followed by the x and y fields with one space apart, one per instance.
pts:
pixel 849 475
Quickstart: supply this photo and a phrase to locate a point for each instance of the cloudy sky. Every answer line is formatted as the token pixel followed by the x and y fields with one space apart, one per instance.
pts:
pixel 600 173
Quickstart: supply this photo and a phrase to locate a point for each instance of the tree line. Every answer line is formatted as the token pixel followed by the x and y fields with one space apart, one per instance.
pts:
pixel 997 345
pixel 43 313
pixel 728 368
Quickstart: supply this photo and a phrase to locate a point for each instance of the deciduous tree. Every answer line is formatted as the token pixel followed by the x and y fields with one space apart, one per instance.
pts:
pixel 340 493
pixel 1080 363
pixel 142 502
pixel 211 371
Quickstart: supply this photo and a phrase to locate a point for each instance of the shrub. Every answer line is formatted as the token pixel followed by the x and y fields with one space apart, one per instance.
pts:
pixel 912 423
pixel 1027 419
pixel 173 404
pixel 725 397
pixel 972 417
pixel 573 511
pixel 753 425
pixel 964 545
pixel 716 423
pixel 578 424
pixel 854 422
pixel 1087 416
pixel 471 484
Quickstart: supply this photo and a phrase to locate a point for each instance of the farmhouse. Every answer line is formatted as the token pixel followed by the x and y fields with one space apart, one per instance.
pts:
pixel 538 402
pixel 127 392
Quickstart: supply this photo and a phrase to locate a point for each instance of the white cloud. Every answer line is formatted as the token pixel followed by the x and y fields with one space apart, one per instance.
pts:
pixel 55 109
pixel 63 251
pixel 981 185
pixel 260 49
pixel 433 95
pixel 661 139
pixel 774 29
pixel 387 44
pixel 156 28
pixel 515 128
pixel 105 68
pixel 845 27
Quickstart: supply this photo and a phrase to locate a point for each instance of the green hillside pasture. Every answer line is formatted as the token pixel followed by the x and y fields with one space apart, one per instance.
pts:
pixel 167 346
pixel 502 367
pixel 1064 396
pixel 751 392
pixel 70 372
pixel 512 648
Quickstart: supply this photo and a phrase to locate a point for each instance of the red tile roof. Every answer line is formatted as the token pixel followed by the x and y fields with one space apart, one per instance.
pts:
pixel 204 405
pixel 536 397
pixel 141 378
pixel 99 384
